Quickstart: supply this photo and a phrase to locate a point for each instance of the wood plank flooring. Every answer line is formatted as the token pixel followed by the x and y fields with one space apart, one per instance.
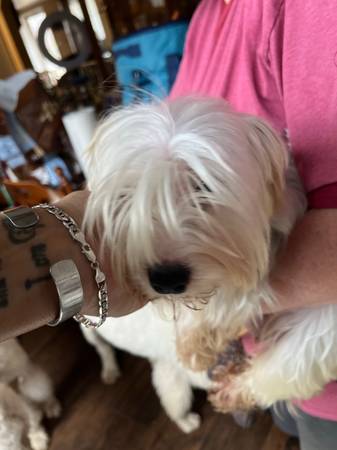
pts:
pixel 127 415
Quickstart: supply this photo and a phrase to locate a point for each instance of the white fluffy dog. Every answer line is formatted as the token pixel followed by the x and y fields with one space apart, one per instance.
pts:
pixel 193 200
pixel 26 394
pixel 144 333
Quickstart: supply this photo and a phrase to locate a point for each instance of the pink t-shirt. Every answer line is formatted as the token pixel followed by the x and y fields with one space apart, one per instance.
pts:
pixel 276 59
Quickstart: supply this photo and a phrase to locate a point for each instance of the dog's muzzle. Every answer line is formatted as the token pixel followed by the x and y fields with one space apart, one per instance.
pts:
pixel 169 278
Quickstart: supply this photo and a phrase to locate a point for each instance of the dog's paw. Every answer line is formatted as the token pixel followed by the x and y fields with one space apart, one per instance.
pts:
pixel 110 375
pixel 53 408
pixel 38 439
pixel 189 423
pixel 231 395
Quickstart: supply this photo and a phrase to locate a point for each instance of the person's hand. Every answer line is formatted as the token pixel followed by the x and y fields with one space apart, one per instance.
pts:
pixel 306 271
pixel 120 301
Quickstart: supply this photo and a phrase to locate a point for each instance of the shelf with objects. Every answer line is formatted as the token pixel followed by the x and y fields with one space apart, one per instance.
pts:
pixel 71 64
pixel 87 56
pixel 35 166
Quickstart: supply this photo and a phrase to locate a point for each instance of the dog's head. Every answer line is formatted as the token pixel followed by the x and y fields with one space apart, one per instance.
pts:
pixel 184 192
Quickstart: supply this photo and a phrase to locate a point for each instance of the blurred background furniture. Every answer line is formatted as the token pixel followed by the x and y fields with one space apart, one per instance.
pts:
pixel 31 193
pixel 87 56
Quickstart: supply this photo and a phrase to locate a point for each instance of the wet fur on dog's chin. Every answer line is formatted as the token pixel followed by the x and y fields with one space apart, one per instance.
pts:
pixel 192 182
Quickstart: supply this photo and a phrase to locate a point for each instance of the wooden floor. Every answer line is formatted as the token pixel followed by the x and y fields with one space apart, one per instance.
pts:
pixel 127 415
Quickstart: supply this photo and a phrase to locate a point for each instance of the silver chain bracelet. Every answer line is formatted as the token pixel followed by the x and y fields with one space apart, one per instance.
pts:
pixel 79 237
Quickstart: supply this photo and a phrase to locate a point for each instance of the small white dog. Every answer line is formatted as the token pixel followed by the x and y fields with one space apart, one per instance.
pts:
pixel 194 200
pixel 26 394
pixel 144 333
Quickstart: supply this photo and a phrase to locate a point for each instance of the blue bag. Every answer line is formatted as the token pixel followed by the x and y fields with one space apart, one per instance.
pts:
pixel 147 61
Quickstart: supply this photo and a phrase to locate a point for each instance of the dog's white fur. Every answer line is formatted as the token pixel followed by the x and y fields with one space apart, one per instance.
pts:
pixel 191 181
pixel 144 333
pixel 26 394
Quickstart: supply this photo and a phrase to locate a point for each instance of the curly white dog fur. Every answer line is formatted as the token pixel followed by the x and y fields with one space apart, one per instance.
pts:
pixel 194 199
pixel 22 408
pixel 144 333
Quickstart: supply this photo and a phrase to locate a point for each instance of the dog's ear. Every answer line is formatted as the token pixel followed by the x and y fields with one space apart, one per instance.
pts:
pixel 272 156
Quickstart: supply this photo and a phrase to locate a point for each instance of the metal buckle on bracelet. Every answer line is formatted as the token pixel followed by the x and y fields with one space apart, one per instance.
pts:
pixel 22 217
pixel 69 288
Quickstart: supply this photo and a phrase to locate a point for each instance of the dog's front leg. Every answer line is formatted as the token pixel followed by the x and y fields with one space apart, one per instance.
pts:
pixel 175 393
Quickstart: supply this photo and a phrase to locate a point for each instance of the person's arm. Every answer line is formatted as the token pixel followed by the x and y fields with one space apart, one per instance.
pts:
pixel 306 273
pixel 28 297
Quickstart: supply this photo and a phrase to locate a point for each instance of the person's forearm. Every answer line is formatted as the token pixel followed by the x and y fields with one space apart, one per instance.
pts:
pixel 306 273
pixel 28 297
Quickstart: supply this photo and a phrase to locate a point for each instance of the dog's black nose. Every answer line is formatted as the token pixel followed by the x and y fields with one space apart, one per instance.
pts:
pixel 169 278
